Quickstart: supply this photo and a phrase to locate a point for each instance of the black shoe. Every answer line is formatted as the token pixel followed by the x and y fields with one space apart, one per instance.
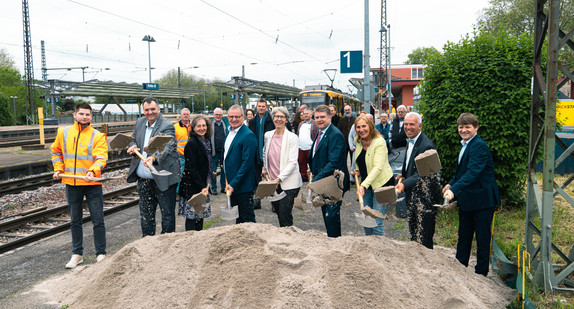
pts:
pixel 222 190
pixel 214 193
pixel 257 206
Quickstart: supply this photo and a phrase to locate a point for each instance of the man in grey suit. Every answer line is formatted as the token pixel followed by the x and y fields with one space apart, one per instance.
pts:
pixel 154 190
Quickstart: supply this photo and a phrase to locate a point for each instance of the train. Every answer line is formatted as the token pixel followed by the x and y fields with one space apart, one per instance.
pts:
pixel 313 96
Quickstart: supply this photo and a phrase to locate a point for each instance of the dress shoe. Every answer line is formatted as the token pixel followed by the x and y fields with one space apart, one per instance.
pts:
pixel 257 205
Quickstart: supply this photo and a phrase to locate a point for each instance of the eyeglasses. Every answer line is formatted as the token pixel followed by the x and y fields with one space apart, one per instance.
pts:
pixel 279 117
pixel 234 117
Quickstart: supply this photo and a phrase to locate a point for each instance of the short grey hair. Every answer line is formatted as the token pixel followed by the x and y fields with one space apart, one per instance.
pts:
pixel 282 110
pixel 236 107
pixel 402 107
pixel 185 109
pixel 323 109
pixel 411 114
pixel 217 109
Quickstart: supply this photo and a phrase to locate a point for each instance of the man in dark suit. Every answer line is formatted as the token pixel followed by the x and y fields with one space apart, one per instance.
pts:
pixel 397 131
pixel 239 164
pixel 329 153
pixel 474 186
pixel 420 192
pixel 260 124
pixel 152 189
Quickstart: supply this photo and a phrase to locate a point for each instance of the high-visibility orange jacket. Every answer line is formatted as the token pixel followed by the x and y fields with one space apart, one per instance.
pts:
pixel 182 135
pixel 76 152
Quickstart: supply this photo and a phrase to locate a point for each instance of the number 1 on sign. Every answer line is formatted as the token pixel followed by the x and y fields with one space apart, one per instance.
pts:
pixel 348 56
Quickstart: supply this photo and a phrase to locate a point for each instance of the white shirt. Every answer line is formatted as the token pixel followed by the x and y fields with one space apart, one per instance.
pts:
pixel 410 146
pixel 229 140
pixel 463 148
pixel 305 139
pixel 142 170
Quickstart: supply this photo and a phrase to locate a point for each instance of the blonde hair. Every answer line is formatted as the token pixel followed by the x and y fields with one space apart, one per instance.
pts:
pixel 373 133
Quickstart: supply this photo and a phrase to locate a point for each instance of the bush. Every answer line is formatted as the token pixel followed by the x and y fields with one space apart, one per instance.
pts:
pixel 487 75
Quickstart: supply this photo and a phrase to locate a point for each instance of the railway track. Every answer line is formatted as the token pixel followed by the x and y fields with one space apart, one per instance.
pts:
pixel 45 179
pixel 43 222
pixel 15 142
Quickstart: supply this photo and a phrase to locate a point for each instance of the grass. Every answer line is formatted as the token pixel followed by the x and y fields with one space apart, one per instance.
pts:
pixel 509 232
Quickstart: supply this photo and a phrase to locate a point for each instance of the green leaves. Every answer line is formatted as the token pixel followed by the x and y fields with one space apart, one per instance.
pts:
pixel 487 75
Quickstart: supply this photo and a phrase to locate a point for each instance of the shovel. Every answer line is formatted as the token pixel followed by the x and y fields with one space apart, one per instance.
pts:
pixel 387 194
pixel 95 179
pixel 162 173
pixel 444 204
pixel 362 220
pixel 366 210
pixel 121 141
pixel 309 201
pixel 197 201
pixel 265 188
pixel 228 212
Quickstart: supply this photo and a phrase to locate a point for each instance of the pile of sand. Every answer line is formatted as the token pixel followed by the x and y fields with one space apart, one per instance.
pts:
pixel 262 266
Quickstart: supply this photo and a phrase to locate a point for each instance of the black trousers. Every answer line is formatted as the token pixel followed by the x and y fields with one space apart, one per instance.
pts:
pixel 244 201
pixel 422 213
pixel 194 224
pixel 284 207
pixel 470 223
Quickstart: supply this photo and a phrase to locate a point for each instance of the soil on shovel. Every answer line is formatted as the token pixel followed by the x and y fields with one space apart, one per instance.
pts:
pixel 262 266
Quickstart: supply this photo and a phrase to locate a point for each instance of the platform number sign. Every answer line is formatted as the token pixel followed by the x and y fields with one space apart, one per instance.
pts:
pixel 352 61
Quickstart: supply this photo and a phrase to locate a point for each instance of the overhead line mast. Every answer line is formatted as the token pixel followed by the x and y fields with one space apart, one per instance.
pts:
pixel 28 65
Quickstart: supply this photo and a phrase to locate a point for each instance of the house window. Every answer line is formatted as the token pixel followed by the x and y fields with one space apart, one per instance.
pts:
pixel 416 73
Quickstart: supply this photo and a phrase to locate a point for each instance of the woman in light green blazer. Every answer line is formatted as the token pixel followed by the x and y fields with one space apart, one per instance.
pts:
pixel 372 166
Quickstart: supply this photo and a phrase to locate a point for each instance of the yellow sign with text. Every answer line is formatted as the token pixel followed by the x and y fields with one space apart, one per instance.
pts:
pixel 565 112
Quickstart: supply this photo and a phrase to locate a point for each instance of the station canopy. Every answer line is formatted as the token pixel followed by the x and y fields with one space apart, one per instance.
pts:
pixel 250 86
pixel 97 88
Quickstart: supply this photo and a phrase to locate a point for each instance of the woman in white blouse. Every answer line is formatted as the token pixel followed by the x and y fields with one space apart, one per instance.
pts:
pixel 280 155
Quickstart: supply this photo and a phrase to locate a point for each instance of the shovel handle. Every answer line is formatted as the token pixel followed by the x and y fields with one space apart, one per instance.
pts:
pixel 81 177
pixel 400 180
pixel 358 193
pixel 151 168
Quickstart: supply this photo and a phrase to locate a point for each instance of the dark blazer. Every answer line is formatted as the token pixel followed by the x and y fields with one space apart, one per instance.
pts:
pixel 410 172
pixel 225 124
pixel 196 168
pixel 239 163
pixel 331 155
pixel 169 159
pixel 398 139
pixel 474 184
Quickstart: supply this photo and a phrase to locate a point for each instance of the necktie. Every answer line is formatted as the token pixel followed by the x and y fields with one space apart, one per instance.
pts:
pixel 411 141
pixel 318 140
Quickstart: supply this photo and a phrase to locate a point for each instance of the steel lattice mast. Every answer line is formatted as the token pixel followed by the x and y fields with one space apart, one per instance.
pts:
pixel 28 63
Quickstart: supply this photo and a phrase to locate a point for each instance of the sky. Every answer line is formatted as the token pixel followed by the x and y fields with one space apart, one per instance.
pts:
pixel 285 42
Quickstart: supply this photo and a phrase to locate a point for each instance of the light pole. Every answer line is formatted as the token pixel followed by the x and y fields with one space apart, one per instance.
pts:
pixel 14 105
pixel 149 39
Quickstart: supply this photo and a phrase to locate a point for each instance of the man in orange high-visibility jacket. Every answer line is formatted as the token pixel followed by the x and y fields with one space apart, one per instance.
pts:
pixel 182 129
pixel 82 150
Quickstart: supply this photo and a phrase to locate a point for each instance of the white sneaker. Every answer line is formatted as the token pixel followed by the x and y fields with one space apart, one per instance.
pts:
pixel 74 261
pixel 100 258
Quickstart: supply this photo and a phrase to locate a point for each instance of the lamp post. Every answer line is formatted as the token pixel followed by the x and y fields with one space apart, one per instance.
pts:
pixel 149 39
pixel 14 105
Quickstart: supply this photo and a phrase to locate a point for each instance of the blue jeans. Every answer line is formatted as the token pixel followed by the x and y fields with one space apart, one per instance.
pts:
pixel 218 158
pixel 332 218
pixel 95 199
pixel 182 165
pixel 370 200
pixel 150 196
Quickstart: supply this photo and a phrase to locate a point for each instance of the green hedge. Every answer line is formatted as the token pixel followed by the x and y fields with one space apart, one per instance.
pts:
pixel 487 75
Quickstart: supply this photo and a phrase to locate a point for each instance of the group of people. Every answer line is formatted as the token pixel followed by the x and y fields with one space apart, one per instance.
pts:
pixel 268 145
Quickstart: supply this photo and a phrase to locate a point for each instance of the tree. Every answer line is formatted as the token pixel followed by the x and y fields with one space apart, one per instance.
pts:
pixel 488 75
pixel 6 117
pixel 517 16
pixel 421 55
pixel 6 60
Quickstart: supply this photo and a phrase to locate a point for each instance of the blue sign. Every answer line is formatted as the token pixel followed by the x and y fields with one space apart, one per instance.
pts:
pixel 232 96
pixel 241 96
pixel 150 86
pixel 352 61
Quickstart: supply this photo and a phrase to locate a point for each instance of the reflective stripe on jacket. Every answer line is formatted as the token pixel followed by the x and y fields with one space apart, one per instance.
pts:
pixel 76 152
pixel 182 136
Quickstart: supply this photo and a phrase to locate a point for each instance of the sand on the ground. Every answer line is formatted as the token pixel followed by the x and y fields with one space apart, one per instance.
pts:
pixel 262 266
